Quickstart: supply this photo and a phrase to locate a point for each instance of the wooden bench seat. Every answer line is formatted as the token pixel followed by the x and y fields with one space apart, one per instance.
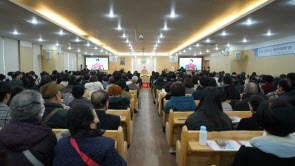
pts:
pixel 190 153
pixel 160 104
pixel 117 135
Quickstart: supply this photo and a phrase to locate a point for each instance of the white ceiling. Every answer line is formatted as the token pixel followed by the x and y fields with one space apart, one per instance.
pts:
pixel 146 18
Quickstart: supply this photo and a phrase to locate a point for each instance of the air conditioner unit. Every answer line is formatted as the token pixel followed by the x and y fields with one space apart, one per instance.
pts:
pixel 48 54
pixel 238 55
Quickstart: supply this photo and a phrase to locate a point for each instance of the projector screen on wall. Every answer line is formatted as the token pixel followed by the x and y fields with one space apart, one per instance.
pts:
pixel 97 63
pixel 190 63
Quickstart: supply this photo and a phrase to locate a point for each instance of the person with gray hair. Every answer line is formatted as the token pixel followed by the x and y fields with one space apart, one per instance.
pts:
pixel 26 140
pixel 251 88
pixel 133 85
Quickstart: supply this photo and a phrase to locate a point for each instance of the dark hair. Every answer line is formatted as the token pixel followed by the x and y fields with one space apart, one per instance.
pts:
pixel 97 59
pixel 117 75
pixel 45 79
pixel 204 81
pixel 277 117
pixel 269 78
pixel 78 79
pixel 53 77
pixel 283 76
pixel 122 84
pixel 195 79
pixel 256 100
pixel 79 118
pixel 112 80
pixel 54 72
pixel 28 82
pixel 78 91
pixel 86 77
pixel 231 91
pixel 4 90
pixel 173 76
pixel 2 77
pixel 15 74
pixel 221 94
pixel 286 85
pixel 15 90
pixel 210 103
pixel 177 89
pixel 99 99
pixel 168 87
pixel 65 77
pixel 105 79
pixel 291 77
pixel 212 82
pixel 72 80
pixel 188 83
pixel 93 79
pixel 192 60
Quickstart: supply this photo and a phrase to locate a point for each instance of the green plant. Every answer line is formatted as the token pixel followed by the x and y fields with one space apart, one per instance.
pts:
pixel 166 70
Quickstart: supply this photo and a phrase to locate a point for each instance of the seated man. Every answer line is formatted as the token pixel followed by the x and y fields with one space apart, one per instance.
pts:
pixel 250 89
pixel 251 123
pixel 178 101
pixel 4 98
pixel 55 114
pixel 204 82
pixel 133 85
pixel 100 102
pixel 78 92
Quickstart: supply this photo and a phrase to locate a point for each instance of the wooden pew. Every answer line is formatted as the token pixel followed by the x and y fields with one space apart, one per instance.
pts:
pixel 156 99
pixel 188 94
pixel 132 106
pixel 86 95
pixel 126 122
pixel 189 152
pixel 178 118
pixel 117 135
pixel 134 96
pixel 160 104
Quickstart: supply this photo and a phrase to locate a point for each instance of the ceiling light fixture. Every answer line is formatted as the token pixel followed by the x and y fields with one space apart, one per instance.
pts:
pixel 223 33
pixel 78 50
pixel 195 54
pixel 165 27
pixel 216 48
pixel 40 39
pixel 190 48
pixel 208 40
pixel 33 21
pixel 15 32
pixel 95 48
pixel 269 33
pixel 123 35
pixel 184 51
pixel 77 40
pixel 249 22
pixel 172 15
pixel 119 27
pixel 111 14
pixel 69 48
pixel 85 52
pixel 200 52
pixel 158 41
pixel 91 54
pixel 198 45
pixel 228 45
pixel 245 40
pixel 57 44
pixel 161 35
pixel 61 32
pixel 127 41
pixel 101 50
pixel 207 50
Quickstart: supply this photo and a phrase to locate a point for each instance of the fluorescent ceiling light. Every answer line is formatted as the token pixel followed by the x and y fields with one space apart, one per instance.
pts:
pixel 127 41
pixel 198 45
pixel 88 44
pixel 78 50
pixel 123 35
pixel 119 27
pixel 158 41
pixel 207 50
pixel 165 28
pixel 208 40
pixel 172 15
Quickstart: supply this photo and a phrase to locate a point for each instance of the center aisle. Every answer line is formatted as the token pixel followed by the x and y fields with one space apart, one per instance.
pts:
pixel 148 146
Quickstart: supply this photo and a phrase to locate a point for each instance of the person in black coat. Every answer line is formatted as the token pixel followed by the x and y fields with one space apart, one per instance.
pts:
pixel 250 89
pixel 231 92
pixel 278 146
pixel 25 131
pixel 251 123
pixel 204 82
pixel 100 102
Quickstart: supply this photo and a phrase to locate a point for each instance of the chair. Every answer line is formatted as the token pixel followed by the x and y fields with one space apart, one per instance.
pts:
pixel 190 153
pixel 160 104
pixel 156 98
pixel 126 123
pixel 134 97
pixel 132 106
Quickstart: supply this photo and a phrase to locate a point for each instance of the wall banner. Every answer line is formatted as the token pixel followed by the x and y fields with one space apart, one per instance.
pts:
pixel 275 50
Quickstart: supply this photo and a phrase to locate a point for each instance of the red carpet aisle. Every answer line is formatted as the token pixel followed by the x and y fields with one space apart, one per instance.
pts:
pixel 149 147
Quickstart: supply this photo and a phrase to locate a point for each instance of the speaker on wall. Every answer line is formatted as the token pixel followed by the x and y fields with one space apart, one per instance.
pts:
pixel 237 55
pixel 48 54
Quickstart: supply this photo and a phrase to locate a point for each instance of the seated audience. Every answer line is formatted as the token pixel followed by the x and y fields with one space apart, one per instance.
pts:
pixel 86 137
pixel 188 84
pixel 251 123
pixel 29 83
pixel 225 106
pixel 212 82
pixel 105 81
pixel 93 85
pixel 250 89
pixel 133 85
pixel 122 84
pixel 67 91
pixel 159 85
pixel 268 86
pixel 65 79
pixel 5 92
pixel 209 113
pixel 178 100
pixel 230 90
pixel 44 80
pixel 25 137
pixel 204 82
pixel 78 92
pixel 278 146
pixel 2 78
pixel 14 91
pixel 112 81
pixel 100 102
pixel 55 114
pixel 16 80
pixel 284 88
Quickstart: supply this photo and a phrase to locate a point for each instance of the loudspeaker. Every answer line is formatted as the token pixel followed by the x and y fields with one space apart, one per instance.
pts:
pixel 237 55
pixel 48 54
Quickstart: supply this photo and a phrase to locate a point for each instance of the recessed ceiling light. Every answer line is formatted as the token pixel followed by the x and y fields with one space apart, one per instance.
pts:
pixel 123 35
pixel 165 27
pixel 228 45
pixel 161 36
pixel 77 40
pixel 223 33
pixel 207 50
pixel 15 32
pixel 106 52
pixel 119 27
pixel 78 50
pixel 69 48
pixel 200 52
pixel 40 39
pixel 57 44
pixel 158 41
pixel 244 40
pixel 127 41
pixel 172 15
pixel 61 32
pixel 111 14
pixel 85 52
pixel 249 22
pixel 208 40
pixel 184 51
pixel 195 54
pixel 109 53
pixel 95 48
pixel 129 45
pixel 198 45
pixel 33 21
pixel 190 48
pixel 216 48
pixel 269 33
pixel 88 44
pixel 101 50
pixel 180 53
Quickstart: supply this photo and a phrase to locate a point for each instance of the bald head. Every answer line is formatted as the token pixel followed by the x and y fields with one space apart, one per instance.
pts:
pixel 251 88
pixel 99 100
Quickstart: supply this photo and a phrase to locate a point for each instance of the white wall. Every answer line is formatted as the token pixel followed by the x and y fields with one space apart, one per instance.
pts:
pixel 8 55
pixel 37 59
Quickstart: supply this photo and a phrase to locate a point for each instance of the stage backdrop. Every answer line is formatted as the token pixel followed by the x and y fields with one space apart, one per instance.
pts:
pixel 143 64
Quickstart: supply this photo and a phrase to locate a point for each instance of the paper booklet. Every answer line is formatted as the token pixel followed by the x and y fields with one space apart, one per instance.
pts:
pixel 226 145
pixel 235 119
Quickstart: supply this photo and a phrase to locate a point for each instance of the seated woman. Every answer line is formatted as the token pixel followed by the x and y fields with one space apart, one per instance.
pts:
pixel 25 135
pixel 188 84
pixel 116 101
pixel 178 100
pixel 93 85
pixel 278 146
pixel 229 88
pixel 125 89
pixel 225 106
pixel 209 113
pixel 85 137
pixel 251 123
